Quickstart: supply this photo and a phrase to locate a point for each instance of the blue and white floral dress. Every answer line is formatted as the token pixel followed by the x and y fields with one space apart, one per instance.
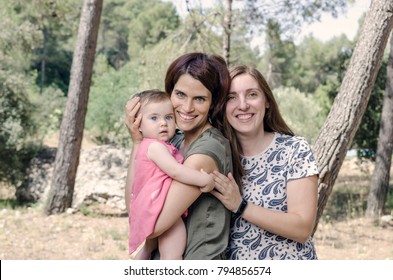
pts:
pixel 267 174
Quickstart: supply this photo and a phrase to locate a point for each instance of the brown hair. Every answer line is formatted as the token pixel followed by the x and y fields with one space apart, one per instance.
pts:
pixel 152 95
pixel 211 71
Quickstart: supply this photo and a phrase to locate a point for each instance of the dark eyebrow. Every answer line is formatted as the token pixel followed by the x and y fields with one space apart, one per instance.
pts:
pixel 198 96
pixel 201 96
pixel 178 90
pixel 247 90
pixel 251 89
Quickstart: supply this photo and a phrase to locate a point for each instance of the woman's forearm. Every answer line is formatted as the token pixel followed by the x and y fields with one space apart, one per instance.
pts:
pixel 297 223
pixel 132 123
pixel 289 225
pixel 130 177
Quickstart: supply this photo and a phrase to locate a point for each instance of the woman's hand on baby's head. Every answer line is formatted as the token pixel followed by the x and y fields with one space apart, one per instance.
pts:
pixel 133 119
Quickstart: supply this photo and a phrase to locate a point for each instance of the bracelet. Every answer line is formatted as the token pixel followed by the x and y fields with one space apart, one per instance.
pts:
pixel 241 208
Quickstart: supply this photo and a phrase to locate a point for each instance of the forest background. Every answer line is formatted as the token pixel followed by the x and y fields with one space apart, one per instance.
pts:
pixel 137 41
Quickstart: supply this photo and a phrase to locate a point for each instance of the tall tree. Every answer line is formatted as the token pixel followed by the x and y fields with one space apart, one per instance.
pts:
pixel 379 184
pixel 226 43
pixel 71 130
pixel 349 105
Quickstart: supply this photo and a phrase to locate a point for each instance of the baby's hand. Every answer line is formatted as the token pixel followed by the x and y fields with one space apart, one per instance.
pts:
pixel 210 185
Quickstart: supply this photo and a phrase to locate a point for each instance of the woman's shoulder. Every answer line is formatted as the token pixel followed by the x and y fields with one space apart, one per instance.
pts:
pixel 297 147
pixel 214 134
pixel 290 140
pixel 213 144
pixel 212 137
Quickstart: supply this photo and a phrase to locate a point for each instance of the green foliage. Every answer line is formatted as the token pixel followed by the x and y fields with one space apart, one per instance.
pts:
pixel 322 97
pixel 56 71
pixel 56 23
pixel 17 39
pixel 346 204
pixel 10 203
pixel 49 108
pixel 153 24
pixel 301 112
pixel 348 199
pixel 108 96
pixel 16 130
pixel 128 26
pixel 113 34
pixel 279 56
pixel 317 64
pixel 366 138
pixel 312 66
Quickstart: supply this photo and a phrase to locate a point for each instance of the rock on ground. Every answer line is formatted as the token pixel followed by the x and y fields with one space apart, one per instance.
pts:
pixel 101 177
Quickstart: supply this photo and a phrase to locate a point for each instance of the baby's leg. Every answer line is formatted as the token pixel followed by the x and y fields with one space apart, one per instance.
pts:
pixel 145 252
pixel 173 242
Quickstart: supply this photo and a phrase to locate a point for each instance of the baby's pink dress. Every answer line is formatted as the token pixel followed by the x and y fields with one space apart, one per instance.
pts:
pixel 148 193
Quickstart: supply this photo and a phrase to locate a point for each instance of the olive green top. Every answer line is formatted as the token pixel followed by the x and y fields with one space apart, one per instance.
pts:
pixel 208 221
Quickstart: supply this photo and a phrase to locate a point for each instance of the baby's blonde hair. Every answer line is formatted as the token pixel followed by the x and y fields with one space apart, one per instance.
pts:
pixel 152 95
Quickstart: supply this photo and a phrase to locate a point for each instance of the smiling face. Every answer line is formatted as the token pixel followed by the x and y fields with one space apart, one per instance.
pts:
pixel 246 105
pixel 191 101
pixel 158 120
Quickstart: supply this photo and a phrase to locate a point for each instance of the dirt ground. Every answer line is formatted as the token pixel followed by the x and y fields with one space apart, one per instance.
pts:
pixel 28 234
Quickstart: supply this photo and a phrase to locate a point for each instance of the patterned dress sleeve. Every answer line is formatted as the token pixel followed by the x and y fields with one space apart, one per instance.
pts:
pixel 302 162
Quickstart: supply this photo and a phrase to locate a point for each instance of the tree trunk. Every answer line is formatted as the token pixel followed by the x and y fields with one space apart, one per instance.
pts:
pixel 348 108
pixel 226 44
pixel 379 184
pixel 73 122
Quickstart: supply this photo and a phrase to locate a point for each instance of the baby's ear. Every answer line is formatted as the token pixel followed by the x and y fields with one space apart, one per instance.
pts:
pixel 140 122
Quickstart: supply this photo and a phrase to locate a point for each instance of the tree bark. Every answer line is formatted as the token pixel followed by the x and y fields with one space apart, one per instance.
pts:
pixel 379 184
pixel 73 122
pixel 226 44
pixel 348 108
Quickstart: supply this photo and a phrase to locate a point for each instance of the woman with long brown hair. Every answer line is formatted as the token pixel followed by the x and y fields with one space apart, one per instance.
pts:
pixel 276 205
